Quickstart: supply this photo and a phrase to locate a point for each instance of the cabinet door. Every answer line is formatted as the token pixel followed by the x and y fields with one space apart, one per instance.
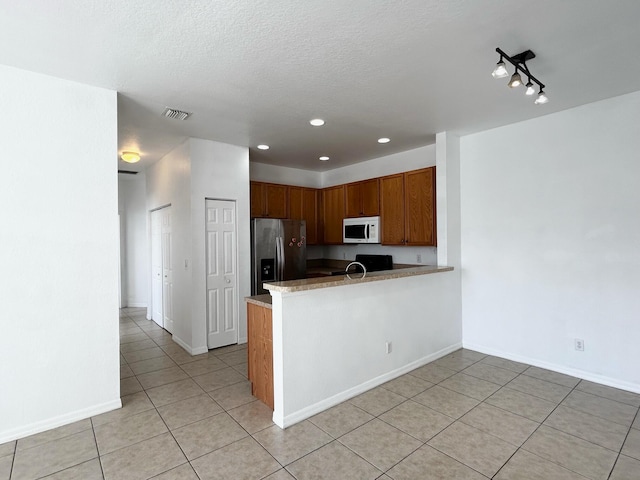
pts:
pixel 352 200
pixel 310 214
pixel 258 207
pixel 333 213
pixel 303 205
pixel 392 209
pixel 370 197
pixel 362 199
pixel 276 201
pixel 420 207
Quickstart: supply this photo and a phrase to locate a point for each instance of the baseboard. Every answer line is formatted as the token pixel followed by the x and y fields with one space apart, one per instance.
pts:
pixel 334 400
pixel 42 426
pixel 574 372
pixel 242 340
pixel 136 305
pixel 199 350
pixel 191 351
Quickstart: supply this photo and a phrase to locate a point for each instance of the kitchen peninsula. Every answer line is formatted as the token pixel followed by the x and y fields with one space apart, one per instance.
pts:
pixel 334 337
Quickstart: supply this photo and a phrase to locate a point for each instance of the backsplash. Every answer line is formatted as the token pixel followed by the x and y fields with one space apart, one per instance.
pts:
pixel 408 255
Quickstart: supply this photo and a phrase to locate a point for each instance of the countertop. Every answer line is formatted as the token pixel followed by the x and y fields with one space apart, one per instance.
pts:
pixel 341 280
pixel 263 300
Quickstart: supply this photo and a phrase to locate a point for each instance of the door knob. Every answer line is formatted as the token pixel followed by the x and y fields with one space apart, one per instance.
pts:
pixel 227 280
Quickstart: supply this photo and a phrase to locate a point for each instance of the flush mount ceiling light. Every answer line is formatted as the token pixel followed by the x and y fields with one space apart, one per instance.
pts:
pixel 519 62
pixel 316 122
pixel 384 140
pixel 130 157
pixel 324 158
pixel 263 147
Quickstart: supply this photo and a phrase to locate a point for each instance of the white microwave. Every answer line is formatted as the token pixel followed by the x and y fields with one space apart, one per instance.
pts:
pixel 361 230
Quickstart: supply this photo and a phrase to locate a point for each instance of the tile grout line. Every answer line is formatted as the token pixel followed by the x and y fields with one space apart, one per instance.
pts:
pixel 208 393
pixel 95 439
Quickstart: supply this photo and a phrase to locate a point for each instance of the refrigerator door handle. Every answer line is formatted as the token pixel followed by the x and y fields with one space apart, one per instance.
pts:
pixel 279 259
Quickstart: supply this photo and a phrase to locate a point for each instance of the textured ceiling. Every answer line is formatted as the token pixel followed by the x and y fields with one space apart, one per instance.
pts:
pixel 257 71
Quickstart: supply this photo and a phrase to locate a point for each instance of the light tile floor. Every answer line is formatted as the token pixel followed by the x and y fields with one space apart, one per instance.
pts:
pixel 464 416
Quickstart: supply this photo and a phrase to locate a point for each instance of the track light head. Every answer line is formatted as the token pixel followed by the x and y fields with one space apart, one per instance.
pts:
pixel 530 90
pixel 515 81
pixel 501 70
pixel 542 98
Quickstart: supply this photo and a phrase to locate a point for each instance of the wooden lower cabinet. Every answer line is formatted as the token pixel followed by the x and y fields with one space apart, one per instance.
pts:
pixel 260 352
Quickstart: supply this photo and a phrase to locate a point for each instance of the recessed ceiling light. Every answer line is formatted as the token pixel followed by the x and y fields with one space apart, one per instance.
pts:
pixel 316 122
pixel 324 158
pixel 384 140
pixel 263 147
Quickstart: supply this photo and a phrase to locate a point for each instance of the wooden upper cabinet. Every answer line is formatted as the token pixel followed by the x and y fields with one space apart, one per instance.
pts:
pixel 269 200
pixel 420 207
pixel 303 205
pixel 408 208
pixel 392 209
pixel 333 211
pixel 362 199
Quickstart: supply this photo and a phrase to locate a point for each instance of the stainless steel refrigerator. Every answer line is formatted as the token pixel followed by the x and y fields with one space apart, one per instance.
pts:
pixel 278 251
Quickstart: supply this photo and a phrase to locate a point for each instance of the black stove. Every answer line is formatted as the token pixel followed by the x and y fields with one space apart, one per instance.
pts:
pixel 375 263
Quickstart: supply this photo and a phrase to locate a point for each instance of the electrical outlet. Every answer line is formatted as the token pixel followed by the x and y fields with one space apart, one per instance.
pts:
pixel 419 258
pixel 387 347
pixel 579 344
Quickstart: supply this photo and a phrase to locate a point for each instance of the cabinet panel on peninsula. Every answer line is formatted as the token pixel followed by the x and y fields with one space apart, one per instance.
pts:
pixel 260 352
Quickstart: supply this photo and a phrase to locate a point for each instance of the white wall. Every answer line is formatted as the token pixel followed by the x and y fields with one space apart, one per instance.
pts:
pixel 329 343
pixel 219 171
pixel 59 359
pixel 551 241
pixel 169 183
pixel 378 167
pixel 134 253
pixel 184 179
pixel 284 175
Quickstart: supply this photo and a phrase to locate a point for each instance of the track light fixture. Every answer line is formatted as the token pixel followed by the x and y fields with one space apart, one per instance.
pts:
pixel 519 62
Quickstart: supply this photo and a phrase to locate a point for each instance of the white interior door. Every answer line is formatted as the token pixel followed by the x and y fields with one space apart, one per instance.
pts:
pixel 167 271
pixel 156 267
pixel 222 278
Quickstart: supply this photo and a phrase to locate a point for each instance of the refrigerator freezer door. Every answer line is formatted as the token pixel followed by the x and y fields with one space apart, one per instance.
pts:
pixel 264 267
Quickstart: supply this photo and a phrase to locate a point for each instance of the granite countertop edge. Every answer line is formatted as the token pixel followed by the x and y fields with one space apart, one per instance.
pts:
pixel 341 280
pixel 263 300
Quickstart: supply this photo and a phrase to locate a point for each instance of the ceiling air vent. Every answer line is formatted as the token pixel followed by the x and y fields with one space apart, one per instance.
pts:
pixel 127 172
pixel 175 114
